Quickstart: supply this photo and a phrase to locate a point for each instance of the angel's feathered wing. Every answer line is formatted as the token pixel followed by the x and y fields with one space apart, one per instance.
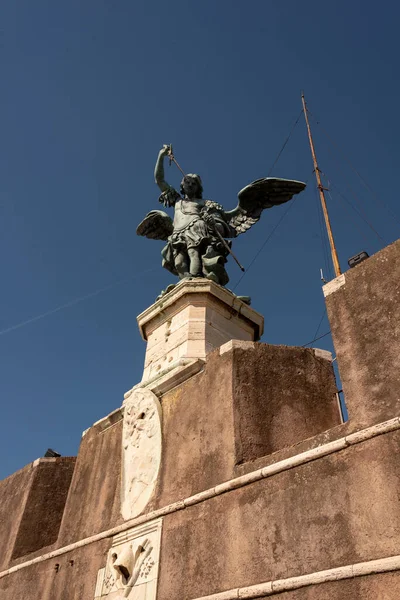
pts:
pixel 156 225
pixel 259 195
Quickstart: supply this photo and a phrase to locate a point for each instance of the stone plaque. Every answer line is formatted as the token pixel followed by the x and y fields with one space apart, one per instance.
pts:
pixel 141 451
pixel 131 570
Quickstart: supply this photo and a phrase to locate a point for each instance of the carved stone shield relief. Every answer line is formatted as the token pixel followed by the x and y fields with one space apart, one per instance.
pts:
pixel 141 451
pixel 131 569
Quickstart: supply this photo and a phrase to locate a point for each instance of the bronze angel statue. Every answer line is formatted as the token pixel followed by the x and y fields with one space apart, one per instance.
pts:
pixel 196 244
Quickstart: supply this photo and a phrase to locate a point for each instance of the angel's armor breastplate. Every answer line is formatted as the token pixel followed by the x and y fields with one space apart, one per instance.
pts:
pixel 186 211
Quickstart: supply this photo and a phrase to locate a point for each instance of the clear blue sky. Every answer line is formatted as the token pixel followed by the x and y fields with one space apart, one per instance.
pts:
pixel 90 91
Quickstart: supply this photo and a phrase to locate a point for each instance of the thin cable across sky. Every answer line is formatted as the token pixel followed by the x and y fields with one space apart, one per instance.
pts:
pixel 75 301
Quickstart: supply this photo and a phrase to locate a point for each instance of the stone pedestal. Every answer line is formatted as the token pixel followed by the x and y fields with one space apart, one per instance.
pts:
pixel 196 317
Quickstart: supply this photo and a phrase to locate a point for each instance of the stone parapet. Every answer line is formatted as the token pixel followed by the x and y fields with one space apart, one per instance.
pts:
pixel 250 400
pixel 363 307
pixel 279 529
pixel 32 503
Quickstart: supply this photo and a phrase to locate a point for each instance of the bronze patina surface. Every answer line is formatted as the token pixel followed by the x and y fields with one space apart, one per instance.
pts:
pixel 196 237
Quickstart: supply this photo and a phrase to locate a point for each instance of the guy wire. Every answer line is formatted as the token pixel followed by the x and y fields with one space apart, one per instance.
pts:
pixel 74 301
pixel 285 143
pixel 316 339
pixel 320 323
pixel 265 243
pixel 285 213
pixel 360 211
pixel 343 199
pixel 365 183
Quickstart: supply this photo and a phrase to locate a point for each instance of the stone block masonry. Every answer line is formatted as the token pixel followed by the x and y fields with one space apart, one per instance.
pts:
pixel 193 319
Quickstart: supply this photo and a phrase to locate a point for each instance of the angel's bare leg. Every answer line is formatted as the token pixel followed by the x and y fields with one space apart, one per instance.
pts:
pixel 182 265
pixel 195 262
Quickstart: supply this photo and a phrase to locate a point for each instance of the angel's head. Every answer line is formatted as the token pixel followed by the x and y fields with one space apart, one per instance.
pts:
pixel 191 186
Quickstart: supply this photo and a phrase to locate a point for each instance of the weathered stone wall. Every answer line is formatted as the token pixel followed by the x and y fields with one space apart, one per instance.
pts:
pixel 248 402
pixel 374 587
pixel 31 506
pixel 68 577
pixel 252 406
pixel 282 396
pixel 13 494
pixel 44 506
pixel 338 510
pixel 93 503
pixel 364 313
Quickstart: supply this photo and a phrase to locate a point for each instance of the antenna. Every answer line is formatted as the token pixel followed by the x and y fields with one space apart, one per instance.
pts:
pixel 321 189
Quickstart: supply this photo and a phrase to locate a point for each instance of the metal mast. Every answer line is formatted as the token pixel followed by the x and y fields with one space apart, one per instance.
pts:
pixel 321 189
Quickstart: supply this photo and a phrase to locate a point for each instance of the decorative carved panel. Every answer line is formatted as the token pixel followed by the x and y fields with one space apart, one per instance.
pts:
pixel 131 570
pixel 141 451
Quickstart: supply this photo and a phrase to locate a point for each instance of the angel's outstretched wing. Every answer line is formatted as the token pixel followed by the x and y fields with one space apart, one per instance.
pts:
pixel 156 225
pixel 259 195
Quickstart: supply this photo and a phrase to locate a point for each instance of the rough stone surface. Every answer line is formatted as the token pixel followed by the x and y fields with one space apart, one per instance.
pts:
pixel 364 314
pixel 251 406
pixel 339 510
pixel 93 503
pixel 246 403
pixel 31 506
pixel 198 443
pixel 373 587
pixel 58 578
pixel 282 395
pixel 14 491
pixel 44 505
